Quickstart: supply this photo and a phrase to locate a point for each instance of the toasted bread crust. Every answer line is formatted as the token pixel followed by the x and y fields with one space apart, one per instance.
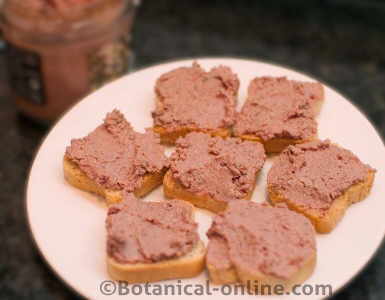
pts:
pixel 76 177
pixel 222 276
pixel 275 145
pixel 187 266
pixel 325 223
pixel 173 189
pixel 169 137
pixel 257 281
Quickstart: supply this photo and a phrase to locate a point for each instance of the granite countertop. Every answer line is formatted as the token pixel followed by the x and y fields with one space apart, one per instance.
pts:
pixel 341 42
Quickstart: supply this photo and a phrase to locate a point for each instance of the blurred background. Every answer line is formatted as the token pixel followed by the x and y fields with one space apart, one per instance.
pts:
pixel 341 42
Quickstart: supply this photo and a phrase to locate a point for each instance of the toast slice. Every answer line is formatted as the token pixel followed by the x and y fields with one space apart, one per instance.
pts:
pixel 173 189
pixel 168 137
pixel 76 177
pixel 276 145
pixel 279 112
pixel 260 246
pixel 326 222
pixel 211 172
pixel 187 266
pixel 192 99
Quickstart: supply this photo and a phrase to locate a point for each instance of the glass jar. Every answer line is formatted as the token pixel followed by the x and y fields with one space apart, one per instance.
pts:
pixel 60 50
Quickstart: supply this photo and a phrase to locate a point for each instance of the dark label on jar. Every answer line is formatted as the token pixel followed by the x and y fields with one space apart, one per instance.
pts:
pixel 109 62
pixel 25 75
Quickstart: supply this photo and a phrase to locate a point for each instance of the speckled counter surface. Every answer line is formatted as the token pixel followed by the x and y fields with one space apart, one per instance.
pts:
pixel 340 42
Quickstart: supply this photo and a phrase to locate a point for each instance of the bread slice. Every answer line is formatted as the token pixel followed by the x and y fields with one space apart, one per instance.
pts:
pixel 170 137
pixel 276 145
pixel 273 145
pixel 76 177
pixel 257 282
pixel 277 246
pixel 173 189
pixel 187 266
pixel 325 222
pixel 182 96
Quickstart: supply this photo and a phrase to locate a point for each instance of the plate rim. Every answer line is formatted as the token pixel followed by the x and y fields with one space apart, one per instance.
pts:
pixel 165 62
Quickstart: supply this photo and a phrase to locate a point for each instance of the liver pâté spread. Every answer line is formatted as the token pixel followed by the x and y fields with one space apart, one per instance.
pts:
pixel 257 237
pixel 148 232
pixel 192 97
pixel 115 156
pixel 224 169
pixel 280 108
pixel 313 174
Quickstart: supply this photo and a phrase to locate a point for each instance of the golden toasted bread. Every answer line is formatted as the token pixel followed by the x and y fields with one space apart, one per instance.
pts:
pixel 325 222
pixel 76 177
pixel 169 137
pixel 257 282
pixel 173 189
pixel 187 266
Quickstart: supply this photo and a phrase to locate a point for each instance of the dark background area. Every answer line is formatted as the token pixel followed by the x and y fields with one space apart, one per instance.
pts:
pixel 340 42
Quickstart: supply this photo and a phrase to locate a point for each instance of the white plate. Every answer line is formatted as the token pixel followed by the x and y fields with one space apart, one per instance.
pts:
pixel 68 224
